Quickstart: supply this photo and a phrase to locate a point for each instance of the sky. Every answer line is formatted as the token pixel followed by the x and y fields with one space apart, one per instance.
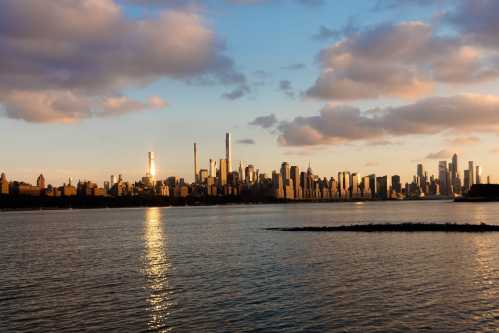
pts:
pixel 88 87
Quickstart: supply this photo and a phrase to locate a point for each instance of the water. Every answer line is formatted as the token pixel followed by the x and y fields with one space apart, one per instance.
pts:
pixel 216 269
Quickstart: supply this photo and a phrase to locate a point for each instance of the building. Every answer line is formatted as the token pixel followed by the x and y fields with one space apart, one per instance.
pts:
pixel 442 178
pixel 372 185
pixel 40 182
pixel 355 192
pixel 478 174
pixel 203 175
pixel 196 170
pixel 151 165
pixel 213 168
pixel 222 172
pixel 277 185
pixel 295 177
pixel 383 187
pixel 4 184
pixel 396 184
pixel 228 152
pixel 365 190
pixel 471 168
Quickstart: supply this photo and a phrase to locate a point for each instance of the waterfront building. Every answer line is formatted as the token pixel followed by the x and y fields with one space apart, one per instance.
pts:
pixel 222 172
pixel 372 185
pixel 151 165
pixel 396 184
pixel 213 168
pixel 228 151
pixel 471 168
pixel 295 177
pixel 383 187
pixel 203 175
pixel 355 186
pixel 196 170
pixel 478 175
pixel 442 177
pixel 4 184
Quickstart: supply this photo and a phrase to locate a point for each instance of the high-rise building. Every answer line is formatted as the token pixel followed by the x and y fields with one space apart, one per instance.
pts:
pixel 442 177
pixel 277 185
pixel 151 165
pixel 467 180
pixel 222 172
pixel 383 187
pixel 228 151
pixel 241 171
pixel 295 177
pixel 344 184
pixel 202 176
pixel 420 170
pixel 213 168
pixel 355 185
pixel 250 174
pixel 471 168
pixel 4 184
pixel 373 185
pixel 196 170
pixel 285 172
pixel 396 184
pixel 478 175
pixel 112 180
pixel 40 182
pixel 365 189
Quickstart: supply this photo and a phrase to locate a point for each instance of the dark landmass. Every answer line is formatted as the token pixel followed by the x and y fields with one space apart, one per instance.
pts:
pixel 20 202
pixel 481 193
pixel 403 227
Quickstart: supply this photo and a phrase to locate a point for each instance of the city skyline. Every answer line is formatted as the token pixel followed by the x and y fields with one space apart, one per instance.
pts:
pixel 448 180
pixel 345 91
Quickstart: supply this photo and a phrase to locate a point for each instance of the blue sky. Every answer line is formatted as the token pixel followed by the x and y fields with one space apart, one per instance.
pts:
pixel 261 40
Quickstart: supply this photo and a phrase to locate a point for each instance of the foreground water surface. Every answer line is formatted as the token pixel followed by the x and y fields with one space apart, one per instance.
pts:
pixel 199 269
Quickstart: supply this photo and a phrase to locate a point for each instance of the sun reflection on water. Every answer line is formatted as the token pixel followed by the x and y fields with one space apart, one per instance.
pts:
pixel 156 269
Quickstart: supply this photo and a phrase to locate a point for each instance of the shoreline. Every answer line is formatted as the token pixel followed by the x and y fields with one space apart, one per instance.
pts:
pixel 68 203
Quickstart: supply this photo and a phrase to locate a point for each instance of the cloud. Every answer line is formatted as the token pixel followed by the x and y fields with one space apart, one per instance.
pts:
pixel 236 93
pixel 119 105
pixel 393 4
pixel 265 121
pixel 286 87
pixel 246 141
pixel 76 51
pixel 326 33
pixel 442 154
pixel 399 60
pixel 190 3
pixel 477 20
pixel 59 106
pixel 437 115
pixel 465 140
pixel 294 67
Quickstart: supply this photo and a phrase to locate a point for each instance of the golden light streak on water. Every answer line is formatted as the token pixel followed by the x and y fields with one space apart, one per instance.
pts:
pixel 156 269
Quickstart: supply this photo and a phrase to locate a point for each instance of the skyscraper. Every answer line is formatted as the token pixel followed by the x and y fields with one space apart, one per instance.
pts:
pixel 478 175
pixel 471 168
pixel 213 168
pixel 151 165
pixel 196 170
pixel 228 152
pixel 4 184
pixel 40 182
pixel 420 170
pixel 222 172
pixel 442 177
